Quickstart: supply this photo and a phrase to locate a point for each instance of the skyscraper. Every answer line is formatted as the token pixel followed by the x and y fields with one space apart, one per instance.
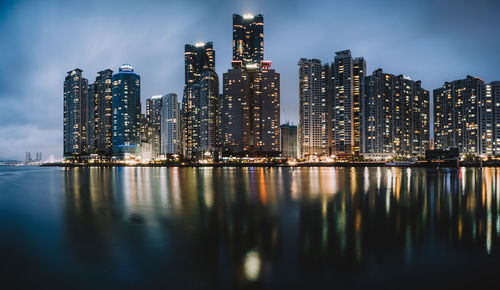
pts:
pixel 153 119
pixel 250 106
pixel 198 59
pixel 102 103
pixel 126 112
pixel 76 115
pixel 153 110
pixel 395 116
pixel 347 76
pixel 313 109
pixel 457 115
pixel 490 120
pixel 288 141
pixel 210 114
pixel 248 39
pixel 170 125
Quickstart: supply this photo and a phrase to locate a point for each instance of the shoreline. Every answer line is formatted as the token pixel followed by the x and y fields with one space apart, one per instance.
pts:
pixel 421 164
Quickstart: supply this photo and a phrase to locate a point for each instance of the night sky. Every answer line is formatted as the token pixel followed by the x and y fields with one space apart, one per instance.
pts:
pixel 432 41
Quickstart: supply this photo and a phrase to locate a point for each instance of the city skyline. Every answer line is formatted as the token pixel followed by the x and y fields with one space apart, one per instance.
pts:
pixel 32 121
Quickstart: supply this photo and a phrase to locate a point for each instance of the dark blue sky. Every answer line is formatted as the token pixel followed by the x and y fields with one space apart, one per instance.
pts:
pixel 40 41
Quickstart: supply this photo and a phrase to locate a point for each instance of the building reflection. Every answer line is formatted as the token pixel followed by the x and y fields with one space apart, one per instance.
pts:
pixel 237 226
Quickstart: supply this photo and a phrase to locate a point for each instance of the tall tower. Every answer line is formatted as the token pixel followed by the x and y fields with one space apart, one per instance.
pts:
pixel 198 59
pixel 76 115
pixel 210 114
pixel 490 118
pixel 248 38
pixel 250 105
pixel 153 110
pixel 126 112
pixel 313 109
pixel 347 76
pixel 102 100
pixel 170 125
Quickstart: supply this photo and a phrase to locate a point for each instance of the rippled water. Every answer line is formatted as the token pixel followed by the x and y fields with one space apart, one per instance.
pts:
pixel 248 228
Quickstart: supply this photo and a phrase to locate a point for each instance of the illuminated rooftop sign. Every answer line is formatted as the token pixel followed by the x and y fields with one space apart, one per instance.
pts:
pixel 247 16
pixel 126 68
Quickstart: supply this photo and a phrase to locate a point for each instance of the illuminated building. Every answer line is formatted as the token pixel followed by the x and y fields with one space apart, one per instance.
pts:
pixel 347 81
pixel 457 115
pixel 248 38
pixel 153 118
pixel 210 114
pixel 314 96
pixel 153 110
pixel 171 140
pixel 395 116
pixel 76 115
pixel 126 113
pixel 288 141
pixel 490 119
pixel 250 111
pixel 102 100
pixel 150 140
pixel 197 59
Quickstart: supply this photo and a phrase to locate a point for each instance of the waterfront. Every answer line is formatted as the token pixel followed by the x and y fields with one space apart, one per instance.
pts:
pixel 234 228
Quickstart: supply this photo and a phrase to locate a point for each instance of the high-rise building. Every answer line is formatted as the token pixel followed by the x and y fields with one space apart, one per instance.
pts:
pixel 250 106
pixel 101 96
pixel 210 114
pixel 248 39
pixel 314 99
pixel 288 141
pixel 126 113
pixel 38 157
pixel 395 116
pixel 28 159
pixel 490 119
pixel 171 140
pixel 76 115
pixel 150 140
pixel 197 59
pixel 153 119
pixel 153 110
pixel 347 81
pixel 457 115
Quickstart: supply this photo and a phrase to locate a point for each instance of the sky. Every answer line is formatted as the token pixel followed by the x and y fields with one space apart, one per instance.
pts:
pixel 40 41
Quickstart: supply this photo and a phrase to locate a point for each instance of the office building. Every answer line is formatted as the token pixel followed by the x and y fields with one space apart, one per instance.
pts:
pixel 126 113
pixel 395 117
pixel 288 141
pixel 171 141
pixel 314 96
pixel 76 115
pixel 457 115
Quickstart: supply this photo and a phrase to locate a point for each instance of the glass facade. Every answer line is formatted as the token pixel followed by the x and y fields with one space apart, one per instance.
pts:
pixel 126 113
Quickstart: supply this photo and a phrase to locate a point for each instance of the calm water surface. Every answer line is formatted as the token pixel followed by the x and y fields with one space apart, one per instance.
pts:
pixel 248 228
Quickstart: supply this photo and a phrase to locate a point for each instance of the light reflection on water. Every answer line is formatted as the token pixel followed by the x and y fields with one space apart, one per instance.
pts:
pixel 212 228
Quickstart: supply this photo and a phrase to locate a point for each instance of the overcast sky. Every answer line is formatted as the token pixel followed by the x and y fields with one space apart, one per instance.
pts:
pixel 432 41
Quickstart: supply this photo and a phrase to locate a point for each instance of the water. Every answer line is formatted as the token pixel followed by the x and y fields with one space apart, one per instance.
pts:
pixel 248 228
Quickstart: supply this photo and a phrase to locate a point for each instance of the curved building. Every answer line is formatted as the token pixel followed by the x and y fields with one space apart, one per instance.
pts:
pixel 126 113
